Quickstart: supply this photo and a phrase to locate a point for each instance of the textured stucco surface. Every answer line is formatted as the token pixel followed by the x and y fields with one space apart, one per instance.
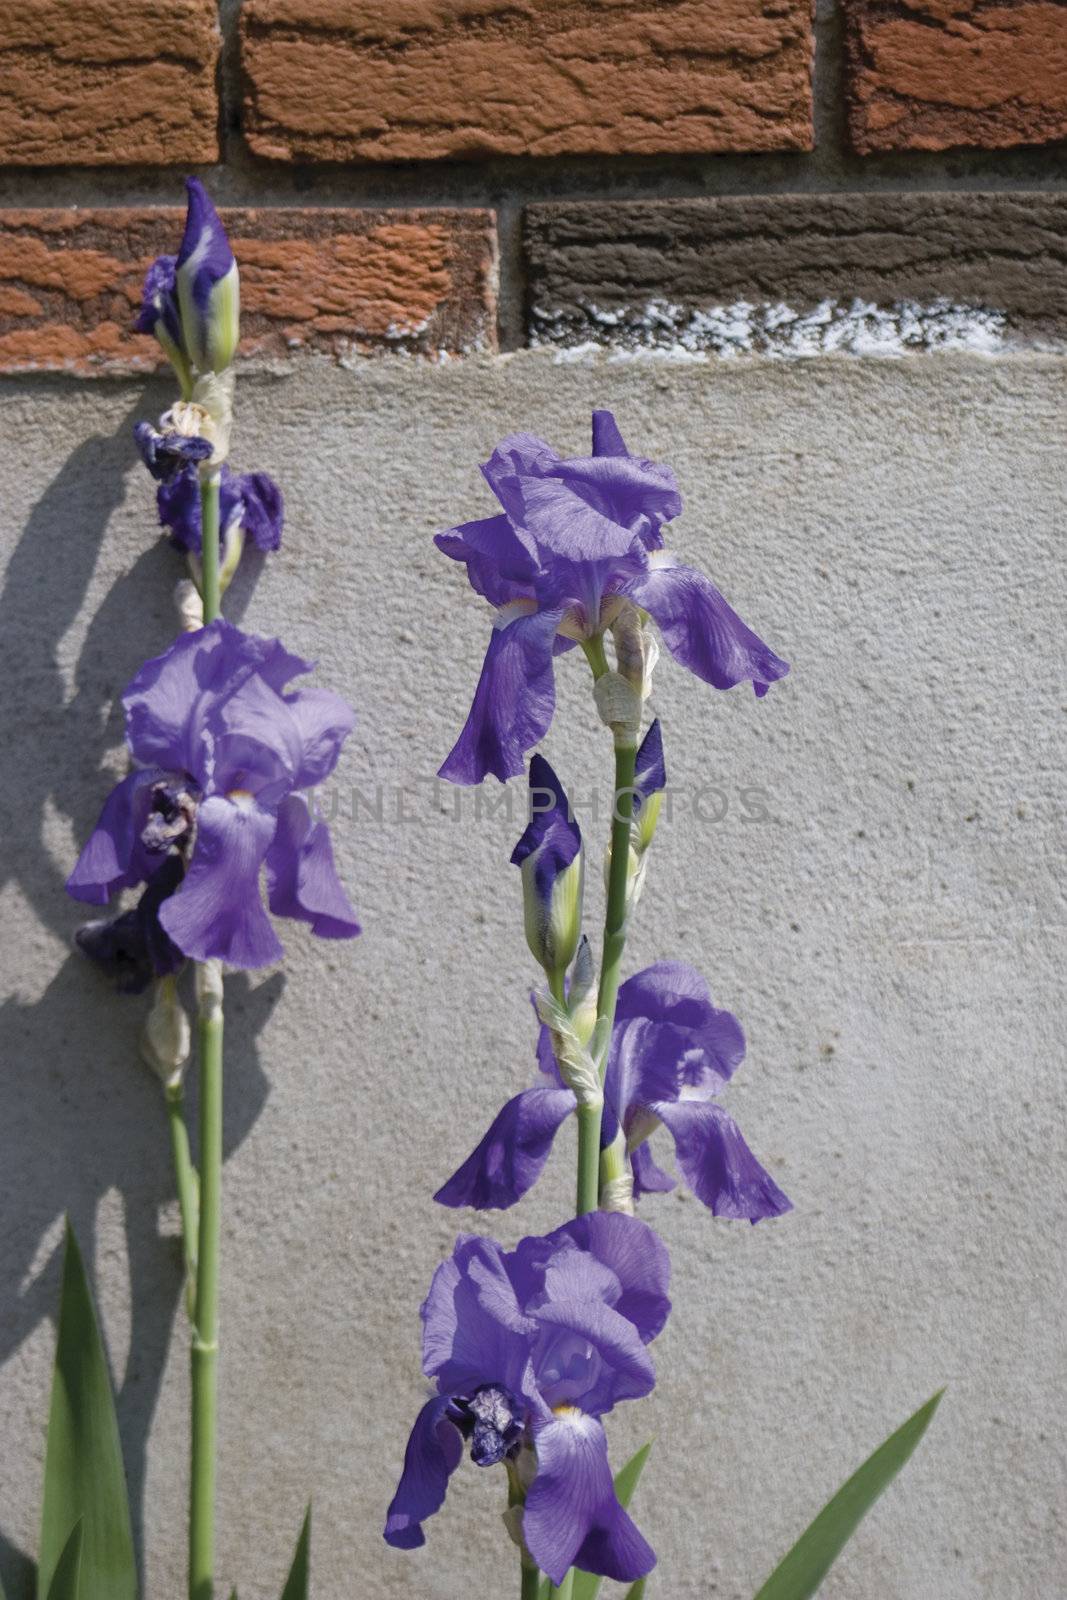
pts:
pixel 892 938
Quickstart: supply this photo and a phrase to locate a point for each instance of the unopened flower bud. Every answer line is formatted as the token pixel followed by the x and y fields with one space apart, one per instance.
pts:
pixel 207 286
pixel 166 1039
pixel 550 856
pixel 650 780
pixel 582 995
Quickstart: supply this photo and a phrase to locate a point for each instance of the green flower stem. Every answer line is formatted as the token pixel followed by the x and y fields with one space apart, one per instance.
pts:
pixel 205 1354
pixel 531 1581
pixel 206 1329
pixel 615 916
pixel 188 1183
pixel 209 544
pixel 566 1588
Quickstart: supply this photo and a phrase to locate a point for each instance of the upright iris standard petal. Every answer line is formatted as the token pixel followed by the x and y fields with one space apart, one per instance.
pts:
pixel 716 1162
pixel 513 703
pixel 206 283
pixel 501 565
pixel 218 911
pixel 572 1516
pixel 701 630
pixel 512 1154
pixel 301 878
pixel 550 856
pixel 434 1451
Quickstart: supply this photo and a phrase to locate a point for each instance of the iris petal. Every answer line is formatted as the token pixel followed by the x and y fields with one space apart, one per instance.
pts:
pixel 511 1157
pixel 572 1516
pixel 218 912
pixel 434 1451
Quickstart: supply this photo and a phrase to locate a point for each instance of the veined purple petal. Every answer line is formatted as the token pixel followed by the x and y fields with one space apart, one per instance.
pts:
pixel 648 1177
pixel 474 1330
pixel 572 1516
pixel 603 1361
pixel 701 630
pixel 434 1451
pixel 513 703
pixel 512 1154
pixel 499 564
pixel 301 879
pixel 635 1259
pixel 669 1036
pixel 218 912
pixel 171 700
pixel 323 721
pixel 111 859
pixel 716 1162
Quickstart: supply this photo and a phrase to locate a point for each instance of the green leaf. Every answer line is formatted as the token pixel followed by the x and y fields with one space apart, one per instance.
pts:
pixel 636 1591
pixel 587 1584
pixel 806 1565
pixel 296 1587
pixel 65 1583
pixel 84 1479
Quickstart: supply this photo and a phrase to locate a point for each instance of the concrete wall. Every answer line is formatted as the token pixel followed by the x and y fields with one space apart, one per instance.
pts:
pixel 892 938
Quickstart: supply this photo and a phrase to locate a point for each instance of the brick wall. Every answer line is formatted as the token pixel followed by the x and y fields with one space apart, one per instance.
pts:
pixel 694 175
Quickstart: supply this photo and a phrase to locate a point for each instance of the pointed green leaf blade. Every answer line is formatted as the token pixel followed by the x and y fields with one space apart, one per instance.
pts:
pixel 587 1584
pixel 296 1587
pixel 636 1591
pixel 65 1580
pixel 806 1565
pixel 84 1479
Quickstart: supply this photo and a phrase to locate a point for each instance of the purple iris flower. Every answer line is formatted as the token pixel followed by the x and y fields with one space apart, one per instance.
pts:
pixel 528 1349
pixel 579 539
pixel 550 856
pixel 671 1053
pixel 251 501
pixel 223 750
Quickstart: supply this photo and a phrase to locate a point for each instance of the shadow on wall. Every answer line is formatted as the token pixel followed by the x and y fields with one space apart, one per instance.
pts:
pixel 79 1115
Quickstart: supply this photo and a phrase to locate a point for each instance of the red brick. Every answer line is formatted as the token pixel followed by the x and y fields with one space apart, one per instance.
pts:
pixel 340 80
pixel 336 281
pixel 937 74
pixel 100 83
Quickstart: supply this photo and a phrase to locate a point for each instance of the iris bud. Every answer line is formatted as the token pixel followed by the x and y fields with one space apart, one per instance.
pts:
pixel 650 780
pixel 207 287
pixel 582 995
pixel 550 856
pixel 166 1039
